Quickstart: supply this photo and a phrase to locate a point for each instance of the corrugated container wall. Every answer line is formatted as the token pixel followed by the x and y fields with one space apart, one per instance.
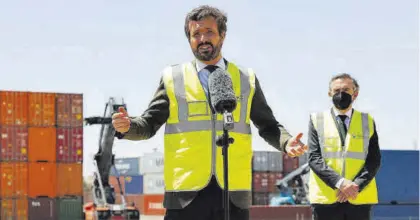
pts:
pixel 152 163
pixel 14 108
pixel 260 182
pixel 69 208
pixel 127 166
pixel 153 183
pixel 260 161
pixel 303 159
pixel 275 161
pixel 41 109
pixel 260 198
pixel 69 145
pixel 113 182
pixel 13 143
pixel 42 208
pixel 289 163
pixel 147 204
pixel 16 209
pixel 133 184
pixel 13 179
pixel 69 179
pixel 69 110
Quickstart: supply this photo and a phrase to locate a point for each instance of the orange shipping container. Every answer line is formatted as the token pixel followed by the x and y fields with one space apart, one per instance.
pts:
pixel 69 179
pixel 14 179
pixel 69 110
pixel 14 108
pixel 41 109
pixel 42 143
pixel 113 182
pixel 14 209
pixel 42 179
pixel 152 205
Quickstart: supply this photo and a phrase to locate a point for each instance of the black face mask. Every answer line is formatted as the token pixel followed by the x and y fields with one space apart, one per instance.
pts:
pixel 342 100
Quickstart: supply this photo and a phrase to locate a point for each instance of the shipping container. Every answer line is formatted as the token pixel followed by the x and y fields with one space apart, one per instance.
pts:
pixel 42 144
pixel 151 163
pixel 303 159
pixel 301 212
pixel 14 108
pixel 69 208
pixel 69 110
pixel 41 109
pixel 70 145
pixel 260 161
pixel 133 184
pixel 275 161
pixel 42 208
pixel 272 181
pixel 152 205
pixel 290 163
pixel 69 179
pixel 260 182
pixel 260 198
pixel 14 179
pixel 396 211
pixel 14 209
pixel 153 183
pixel 113 182
pixel 127 166
pixel 14 143
pixel 402 167
pixel 42 179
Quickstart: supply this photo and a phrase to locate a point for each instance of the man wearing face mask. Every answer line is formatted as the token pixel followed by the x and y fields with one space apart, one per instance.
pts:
pixel 344 156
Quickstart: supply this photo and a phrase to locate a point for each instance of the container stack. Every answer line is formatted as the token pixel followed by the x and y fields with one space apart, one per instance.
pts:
pixel 142 181
pixel 41 153
pixel 268 168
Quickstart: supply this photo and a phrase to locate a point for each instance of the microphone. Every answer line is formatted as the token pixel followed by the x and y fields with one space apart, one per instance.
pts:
pixel 221 91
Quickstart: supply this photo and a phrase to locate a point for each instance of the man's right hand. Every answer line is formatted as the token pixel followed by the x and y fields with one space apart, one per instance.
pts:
pixel 120 120
pixel 349 188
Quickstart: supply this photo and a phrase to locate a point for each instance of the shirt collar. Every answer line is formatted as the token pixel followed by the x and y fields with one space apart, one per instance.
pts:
pixel 200 65
pixel 348 113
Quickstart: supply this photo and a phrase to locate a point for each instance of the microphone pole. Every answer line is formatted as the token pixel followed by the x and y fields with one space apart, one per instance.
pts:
pixel 223 141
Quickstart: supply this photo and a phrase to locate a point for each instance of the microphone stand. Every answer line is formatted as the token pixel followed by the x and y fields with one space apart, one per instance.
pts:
pixel 223 141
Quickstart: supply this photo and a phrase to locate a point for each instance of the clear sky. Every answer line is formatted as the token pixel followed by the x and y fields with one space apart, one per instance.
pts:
pixel 118 48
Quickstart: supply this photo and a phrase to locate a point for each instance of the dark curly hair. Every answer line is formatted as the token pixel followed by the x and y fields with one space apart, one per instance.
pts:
pixel 203 12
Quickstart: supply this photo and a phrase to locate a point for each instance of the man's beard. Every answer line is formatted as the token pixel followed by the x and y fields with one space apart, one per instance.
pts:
pixel 207 54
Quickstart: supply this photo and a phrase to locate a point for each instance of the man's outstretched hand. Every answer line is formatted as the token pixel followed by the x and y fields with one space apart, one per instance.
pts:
pixel 120 120
pixel 295 147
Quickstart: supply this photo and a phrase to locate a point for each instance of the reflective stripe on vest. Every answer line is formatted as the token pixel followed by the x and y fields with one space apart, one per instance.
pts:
pixel 191 154
pixel 345 160
pixel 187 126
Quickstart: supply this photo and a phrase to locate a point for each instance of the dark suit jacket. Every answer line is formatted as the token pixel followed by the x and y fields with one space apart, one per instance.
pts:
pixel 146 126
pixel 328 175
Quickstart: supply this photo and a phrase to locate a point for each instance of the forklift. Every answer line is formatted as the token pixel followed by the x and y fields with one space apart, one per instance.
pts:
pixel 103 206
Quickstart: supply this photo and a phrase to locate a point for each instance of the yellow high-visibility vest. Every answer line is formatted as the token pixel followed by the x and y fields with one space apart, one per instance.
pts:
pixel 346 160
pixel 191 154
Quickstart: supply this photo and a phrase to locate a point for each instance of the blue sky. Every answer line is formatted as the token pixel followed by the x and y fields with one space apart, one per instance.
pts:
pixel 118 48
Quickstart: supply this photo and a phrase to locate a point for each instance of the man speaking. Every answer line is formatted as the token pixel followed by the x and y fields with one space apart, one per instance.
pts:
pixel 184 102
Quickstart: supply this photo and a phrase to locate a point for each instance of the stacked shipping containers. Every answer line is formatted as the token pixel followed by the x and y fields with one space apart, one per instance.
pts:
pixel 142 181
pixel 41 155
pixel 267 168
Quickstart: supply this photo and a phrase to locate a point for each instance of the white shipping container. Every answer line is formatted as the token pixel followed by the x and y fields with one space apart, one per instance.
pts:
pixel 152 163
pixel 153 183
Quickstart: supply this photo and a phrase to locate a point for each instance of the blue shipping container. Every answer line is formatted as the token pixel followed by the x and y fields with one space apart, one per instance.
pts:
pixel 398 176
pixel 133 184
pixel 401 211
pixel 127 166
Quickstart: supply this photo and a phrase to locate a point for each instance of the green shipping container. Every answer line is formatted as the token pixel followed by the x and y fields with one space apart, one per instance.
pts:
pixel 70 208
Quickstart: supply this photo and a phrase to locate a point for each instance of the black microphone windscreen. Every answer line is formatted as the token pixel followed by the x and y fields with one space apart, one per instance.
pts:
pixel 221 91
